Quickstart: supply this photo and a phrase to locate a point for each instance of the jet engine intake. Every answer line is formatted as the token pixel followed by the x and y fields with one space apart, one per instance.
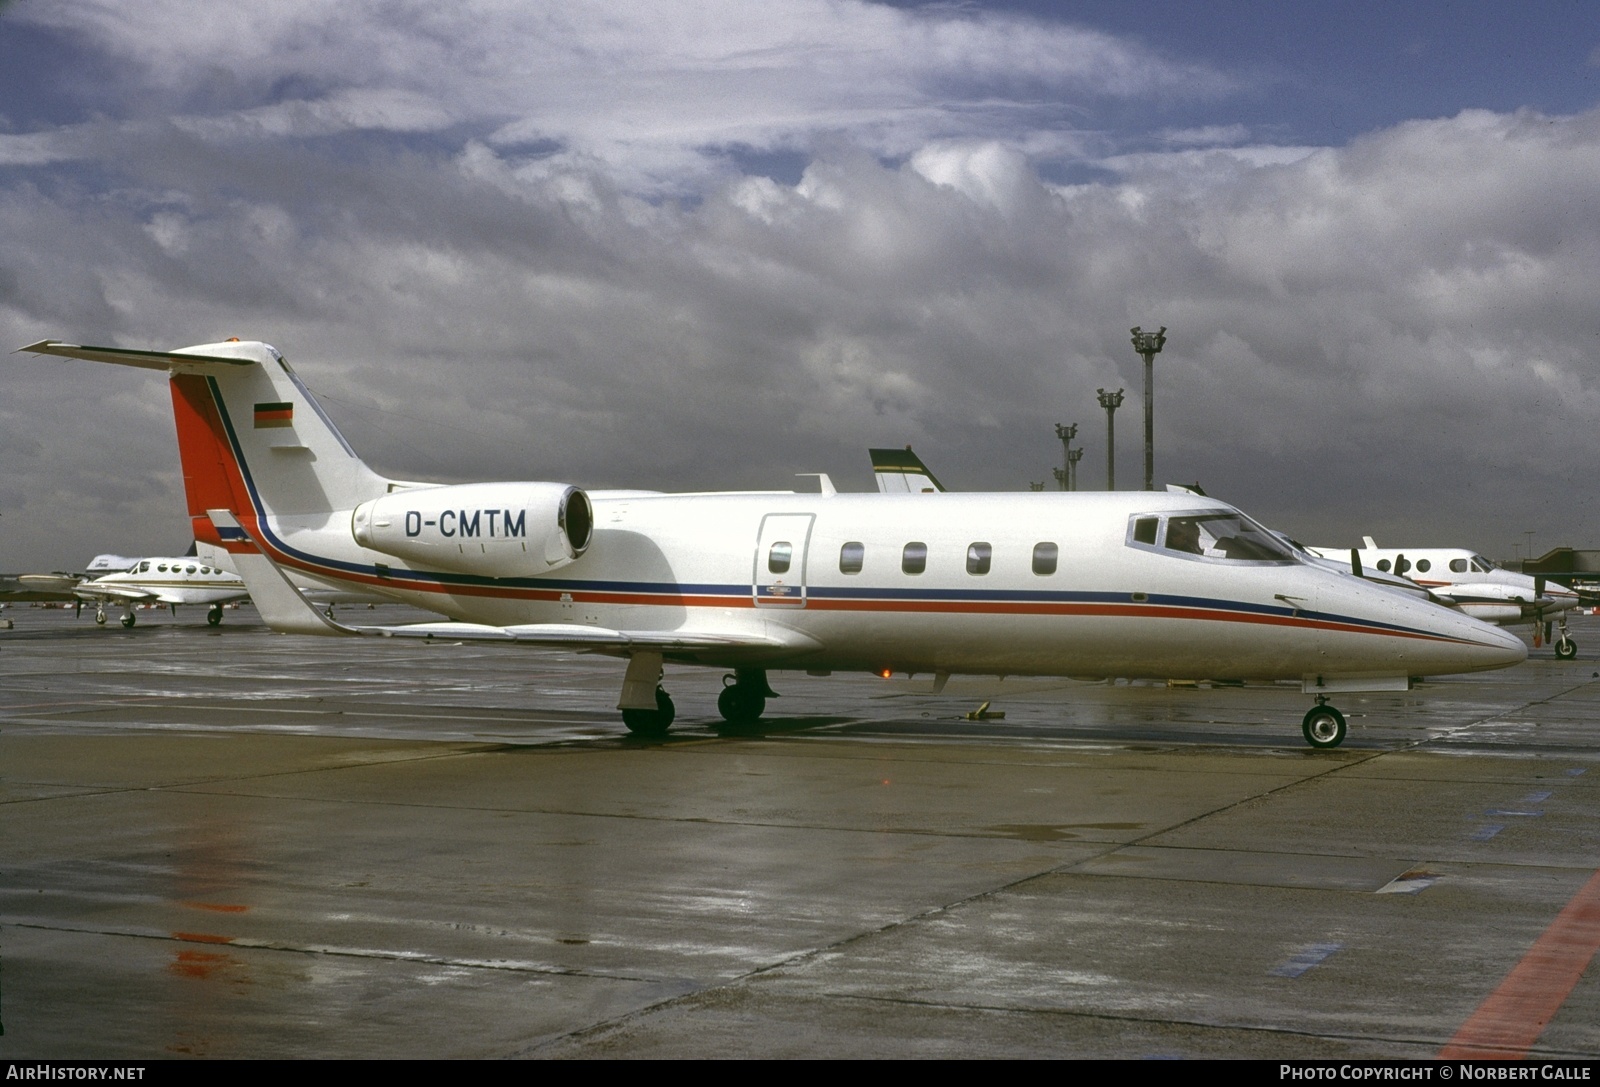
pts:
pixel 493 529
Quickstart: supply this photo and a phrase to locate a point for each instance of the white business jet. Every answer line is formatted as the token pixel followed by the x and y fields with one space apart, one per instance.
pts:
pixel 1124 584
pixel 170 581
pixel 1476 585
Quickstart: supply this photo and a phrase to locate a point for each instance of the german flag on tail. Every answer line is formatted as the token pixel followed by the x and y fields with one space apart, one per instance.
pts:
pixel 274 415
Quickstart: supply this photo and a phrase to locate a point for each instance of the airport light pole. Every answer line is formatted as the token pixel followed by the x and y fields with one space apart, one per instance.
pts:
pixel 1111 402
pixel 1149 345
pixel 1073 457
pixel 1066 434
pixel 1032 486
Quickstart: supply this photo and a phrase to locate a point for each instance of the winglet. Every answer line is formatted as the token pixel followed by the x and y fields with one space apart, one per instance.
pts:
pixel 274 595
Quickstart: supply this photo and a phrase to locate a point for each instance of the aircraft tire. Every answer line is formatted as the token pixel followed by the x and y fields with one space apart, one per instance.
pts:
pixel 1566 649
pixel 128 620
pixel 1323 727
pixel 651 722
pixel 214 617
pixel 100 618
pixel 740 706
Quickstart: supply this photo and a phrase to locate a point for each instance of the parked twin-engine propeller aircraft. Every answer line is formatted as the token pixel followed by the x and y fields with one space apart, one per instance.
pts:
pixel 170 581
pixel 1129 584
pixel 1476 585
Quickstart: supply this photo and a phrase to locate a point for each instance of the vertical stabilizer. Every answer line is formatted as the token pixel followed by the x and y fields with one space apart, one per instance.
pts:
pixel 251 436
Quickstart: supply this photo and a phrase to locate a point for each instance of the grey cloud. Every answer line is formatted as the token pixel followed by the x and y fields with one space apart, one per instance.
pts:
pixel 1392 337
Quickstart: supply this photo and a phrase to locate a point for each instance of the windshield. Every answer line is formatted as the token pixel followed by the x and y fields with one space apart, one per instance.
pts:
pixel 1228 535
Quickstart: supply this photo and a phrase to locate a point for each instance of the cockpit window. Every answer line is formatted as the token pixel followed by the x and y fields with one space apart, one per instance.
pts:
pixel 1481 564
pixel 1224 534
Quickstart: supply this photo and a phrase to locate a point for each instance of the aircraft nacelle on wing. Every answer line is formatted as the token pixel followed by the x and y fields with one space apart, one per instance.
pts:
pixel 1123 584
pixel 492 529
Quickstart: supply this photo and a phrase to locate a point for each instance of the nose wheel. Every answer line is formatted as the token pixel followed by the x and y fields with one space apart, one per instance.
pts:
pixel 1323 726
pixel 214 615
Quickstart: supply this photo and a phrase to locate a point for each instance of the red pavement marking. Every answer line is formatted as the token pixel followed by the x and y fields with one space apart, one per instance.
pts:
pixel 1510 1020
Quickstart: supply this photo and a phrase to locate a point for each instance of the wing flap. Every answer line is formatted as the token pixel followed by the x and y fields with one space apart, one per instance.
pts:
pixel 287 611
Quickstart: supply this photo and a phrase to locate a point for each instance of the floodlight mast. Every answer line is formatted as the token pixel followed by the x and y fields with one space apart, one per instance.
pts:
pixel 1064 474
pixel 1111 402
pixel 1149 345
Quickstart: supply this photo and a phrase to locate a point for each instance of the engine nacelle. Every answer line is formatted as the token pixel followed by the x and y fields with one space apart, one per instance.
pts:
pixel 493 529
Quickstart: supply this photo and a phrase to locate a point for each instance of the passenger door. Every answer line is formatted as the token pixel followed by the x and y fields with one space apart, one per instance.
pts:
pixel 779 577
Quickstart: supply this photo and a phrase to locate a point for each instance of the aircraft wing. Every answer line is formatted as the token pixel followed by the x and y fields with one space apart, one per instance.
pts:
pixel 287 611
pixel 90 590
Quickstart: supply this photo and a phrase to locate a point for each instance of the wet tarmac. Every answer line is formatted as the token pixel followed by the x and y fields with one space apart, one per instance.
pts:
pixel 228 843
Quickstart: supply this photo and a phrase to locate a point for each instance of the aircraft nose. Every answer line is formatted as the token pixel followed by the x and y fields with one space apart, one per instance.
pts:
pixel 1503 649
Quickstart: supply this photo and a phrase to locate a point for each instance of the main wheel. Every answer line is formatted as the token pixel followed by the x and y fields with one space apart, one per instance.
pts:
pixel 1323 727
pixel 1566 649
pixel 128 620
pixel 214 616
pixel 651 722
pixel 739 705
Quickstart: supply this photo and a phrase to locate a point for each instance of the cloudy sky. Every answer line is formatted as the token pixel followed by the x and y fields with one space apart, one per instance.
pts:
pixel 710 244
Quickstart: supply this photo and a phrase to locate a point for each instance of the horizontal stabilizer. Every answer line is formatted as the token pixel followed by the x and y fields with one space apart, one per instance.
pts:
pixel 122 356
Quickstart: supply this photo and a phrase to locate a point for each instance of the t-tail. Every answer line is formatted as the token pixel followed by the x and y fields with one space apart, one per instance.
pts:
pixel 251 437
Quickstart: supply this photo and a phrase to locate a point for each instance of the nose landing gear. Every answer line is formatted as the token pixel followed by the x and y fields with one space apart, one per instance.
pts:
pixel 1323 726
pixel 214 615
pixel 1565 647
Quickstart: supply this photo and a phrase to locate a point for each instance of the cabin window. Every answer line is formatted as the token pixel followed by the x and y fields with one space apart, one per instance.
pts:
pixel 979 556
pixel 780 556
pixel 1044 558
pixel 1458 566
pixel 851 555
pixel 1144 530
pixel 144 567
pixel 914 559
pixel 189 569
pixel 1383 564
pixel 162 568
pixel 1423 566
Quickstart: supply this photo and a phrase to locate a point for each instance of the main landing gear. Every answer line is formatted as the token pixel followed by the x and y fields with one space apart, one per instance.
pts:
pixel 214 615
pixel 744 696
pixel 1323 725
pixel 128 620
pixel 647 708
